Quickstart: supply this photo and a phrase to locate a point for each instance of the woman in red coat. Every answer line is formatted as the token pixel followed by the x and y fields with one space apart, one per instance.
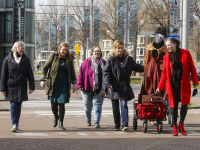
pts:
pixel 177 66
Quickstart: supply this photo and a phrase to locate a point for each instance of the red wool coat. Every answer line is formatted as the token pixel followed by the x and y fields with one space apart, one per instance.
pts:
pixel 187 68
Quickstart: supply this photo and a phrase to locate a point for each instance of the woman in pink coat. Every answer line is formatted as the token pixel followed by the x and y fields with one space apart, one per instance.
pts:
pixel 90 83
pixel 177 66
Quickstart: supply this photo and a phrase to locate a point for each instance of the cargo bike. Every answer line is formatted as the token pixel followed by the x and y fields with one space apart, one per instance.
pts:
pixel 152 110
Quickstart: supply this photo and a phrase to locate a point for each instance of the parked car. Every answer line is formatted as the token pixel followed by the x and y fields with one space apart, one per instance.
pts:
pixel 198 73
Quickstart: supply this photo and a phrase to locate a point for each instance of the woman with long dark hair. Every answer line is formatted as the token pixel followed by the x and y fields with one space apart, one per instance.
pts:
pixel 177 66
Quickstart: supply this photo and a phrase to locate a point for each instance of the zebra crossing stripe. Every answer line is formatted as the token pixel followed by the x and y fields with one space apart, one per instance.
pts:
pixel 120 133
pixel 193 132
pixel 100 133
pixel 81 133
pixel 62 133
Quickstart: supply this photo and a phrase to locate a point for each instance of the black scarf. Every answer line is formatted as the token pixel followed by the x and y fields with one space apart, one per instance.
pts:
pixel 174 58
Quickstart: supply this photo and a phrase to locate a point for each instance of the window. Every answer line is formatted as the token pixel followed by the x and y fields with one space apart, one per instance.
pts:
pixel 1 3
pixel 140 51
pixel 107 44
pixel 140 40
pixel 6 27
pixel 140 61
pixel 151 39
pixel 9 3
pixel 30 4
pixel 30 35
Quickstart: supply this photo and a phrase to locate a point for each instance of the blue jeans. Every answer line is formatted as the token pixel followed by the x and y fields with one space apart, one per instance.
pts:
pixel 116 112
pixel 15 111
pixel 89 100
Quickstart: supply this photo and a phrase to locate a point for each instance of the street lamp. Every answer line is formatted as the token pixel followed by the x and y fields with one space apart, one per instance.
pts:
pixel 19 4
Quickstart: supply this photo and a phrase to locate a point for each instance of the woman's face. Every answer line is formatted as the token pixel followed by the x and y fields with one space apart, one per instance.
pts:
pixel 64 51
pixel 171 47
pixel 20 50
pixel 120 50
pixel 96 53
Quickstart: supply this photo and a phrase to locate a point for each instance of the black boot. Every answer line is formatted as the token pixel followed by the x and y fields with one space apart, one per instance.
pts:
pixel 55 122
pixel 88 122
pixel 61 126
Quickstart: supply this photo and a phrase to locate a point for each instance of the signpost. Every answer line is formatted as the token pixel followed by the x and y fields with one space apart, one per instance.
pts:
pixel 173 36
pixel 87 44
pixel 77 52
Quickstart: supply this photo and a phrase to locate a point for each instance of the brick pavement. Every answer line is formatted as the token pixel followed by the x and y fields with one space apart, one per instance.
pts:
pixel 37 131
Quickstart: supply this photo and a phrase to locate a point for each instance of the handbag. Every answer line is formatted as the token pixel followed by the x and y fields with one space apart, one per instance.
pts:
pixel 195 91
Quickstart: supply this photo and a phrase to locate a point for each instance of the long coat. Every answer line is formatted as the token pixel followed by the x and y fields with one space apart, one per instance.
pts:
pixel 187 68
pixel 14 78
pixel 53 64
pixel 85 76
pixel 119 77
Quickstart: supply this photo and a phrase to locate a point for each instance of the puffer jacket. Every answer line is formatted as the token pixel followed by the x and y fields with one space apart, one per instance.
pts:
pixel 119 77
pixel 14 78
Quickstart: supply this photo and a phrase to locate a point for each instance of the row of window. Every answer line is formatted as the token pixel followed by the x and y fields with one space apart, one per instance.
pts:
pixel 9 3
pixel 6 27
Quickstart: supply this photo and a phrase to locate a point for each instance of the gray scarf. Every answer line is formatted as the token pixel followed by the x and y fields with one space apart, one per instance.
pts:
pixel 95 75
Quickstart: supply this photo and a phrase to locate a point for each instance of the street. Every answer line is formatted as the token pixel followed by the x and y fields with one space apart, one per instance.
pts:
pixel 37 131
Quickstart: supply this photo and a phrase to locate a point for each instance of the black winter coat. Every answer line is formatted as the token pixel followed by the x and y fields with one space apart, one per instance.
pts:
pixel 14 78
pixel 119 77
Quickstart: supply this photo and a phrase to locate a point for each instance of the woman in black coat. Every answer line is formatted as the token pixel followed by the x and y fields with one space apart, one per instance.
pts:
pixel 15 71
pixel 117 72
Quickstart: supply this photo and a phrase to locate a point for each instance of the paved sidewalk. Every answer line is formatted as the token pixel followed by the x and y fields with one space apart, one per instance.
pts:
pixel 37 131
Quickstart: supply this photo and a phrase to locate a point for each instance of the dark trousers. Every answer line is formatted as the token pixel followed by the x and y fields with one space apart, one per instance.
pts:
pixel 15 111
pixel 116 112
pixel 174 111
pixel 54 108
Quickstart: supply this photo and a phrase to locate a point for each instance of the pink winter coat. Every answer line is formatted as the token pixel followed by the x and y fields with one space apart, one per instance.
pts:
pixel 85 76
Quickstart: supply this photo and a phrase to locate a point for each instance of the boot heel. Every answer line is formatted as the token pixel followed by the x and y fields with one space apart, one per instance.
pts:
pixel 61 126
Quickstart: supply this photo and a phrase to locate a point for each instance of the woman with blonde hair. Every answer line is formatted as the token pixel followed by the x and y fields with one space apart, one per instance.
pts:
pixel 15 71
pixel 117 72
pixel 60 77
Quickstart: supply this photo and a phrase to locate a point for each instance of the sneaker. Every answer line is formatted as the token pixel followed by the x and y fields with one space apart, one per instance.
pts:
pixel 125 128
pixel 117 128
pixel 18 128
pixel 14 128
pixel 89 122
pixel 97 125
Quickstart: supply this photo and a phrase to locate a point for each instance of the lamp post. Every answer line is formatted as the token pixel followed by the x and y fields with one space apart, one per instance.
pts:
pixel 19 4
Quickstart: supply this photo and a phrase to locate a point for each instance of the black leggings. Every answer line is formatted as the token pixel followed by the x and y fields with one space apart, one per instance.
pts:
pixel 54 108
pixel 174 112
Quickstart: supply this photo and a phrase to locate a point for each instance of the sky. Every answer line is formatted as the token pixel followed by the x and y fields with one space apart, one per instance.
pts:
pixel 42 2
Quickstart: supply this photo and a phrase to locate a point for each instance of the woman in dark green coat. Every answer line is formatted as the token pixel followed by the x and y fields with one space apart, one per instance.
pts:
pixel 60 78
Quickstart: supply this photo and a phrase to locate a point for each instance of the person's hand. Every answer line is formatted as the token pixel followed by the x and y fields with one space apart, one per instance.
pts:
pixel 157 90
pixel 110 89
pixel 74 88
pixel 80 89
pixel 42 84
pixel 195 85
pixel 4 93
pixel 30 91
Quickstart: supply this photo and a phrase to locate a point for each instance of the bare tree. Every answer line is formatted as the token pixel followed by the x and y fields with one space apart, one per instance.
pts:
pixel 195 44
pixel 158 12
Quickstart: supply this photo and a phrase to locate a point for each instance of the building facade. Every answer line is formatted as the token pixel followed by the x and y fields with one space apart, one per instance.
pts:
pixel 9 27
